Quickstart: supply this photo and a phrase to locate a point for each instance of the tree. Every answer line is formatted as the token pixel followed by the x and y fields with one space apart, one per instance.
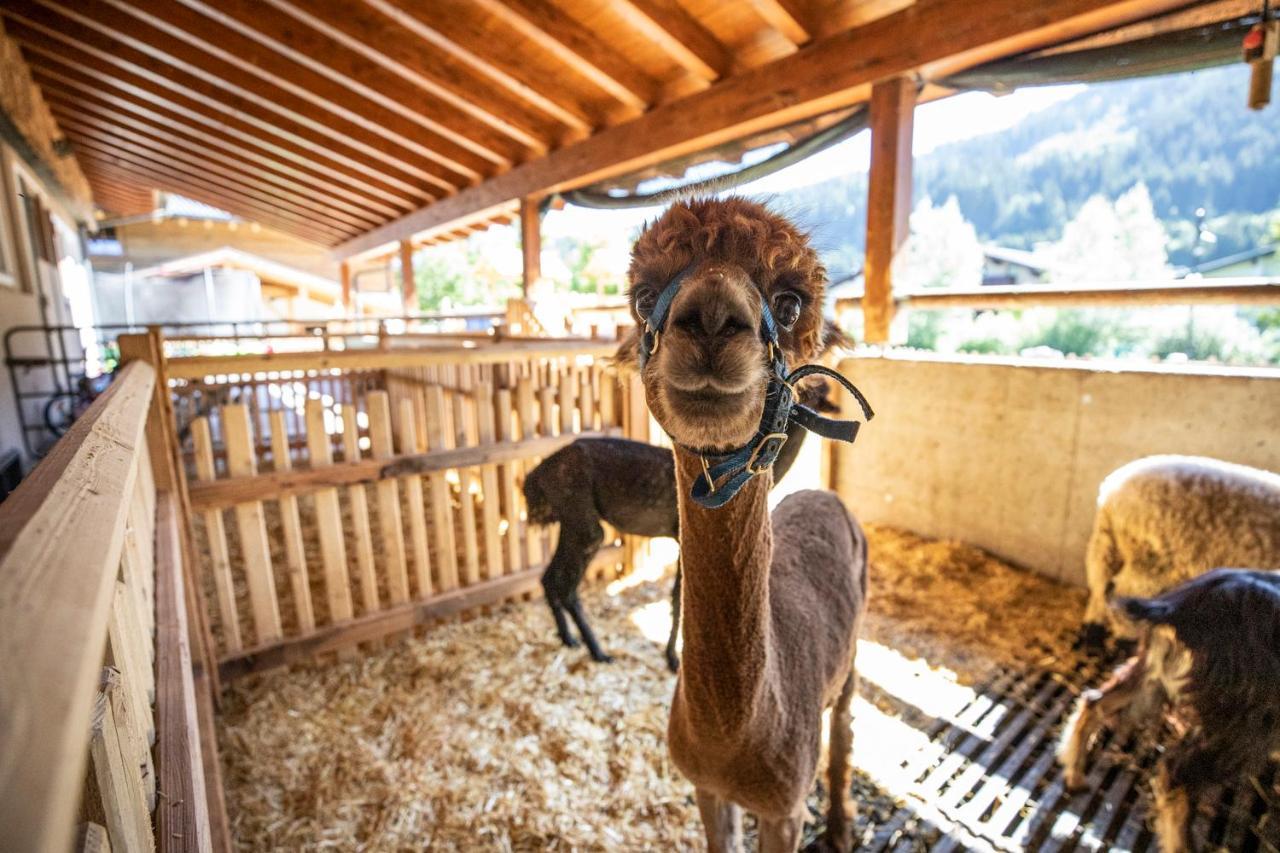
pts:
pixel 1106 241
pixel 941 251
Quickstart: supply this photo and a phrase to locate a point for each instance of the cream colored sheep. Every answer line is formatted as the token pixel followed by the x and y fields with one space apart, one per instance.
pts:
pixel 1165 519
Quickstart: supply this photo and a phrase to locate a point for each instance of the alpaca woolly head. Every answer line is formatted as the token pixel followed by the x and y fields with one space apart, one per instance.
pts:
pixel 707 379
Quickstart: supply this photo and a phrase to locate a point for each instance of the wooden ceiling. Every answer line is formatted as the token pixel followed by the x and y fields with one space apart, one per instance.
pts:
pixel 357 123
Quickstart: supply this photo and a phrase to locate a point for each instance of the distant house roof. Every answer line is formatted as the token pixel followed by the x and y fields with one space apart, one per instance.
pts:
pixel 266 270
pixel 1256 253
pixel 1016 257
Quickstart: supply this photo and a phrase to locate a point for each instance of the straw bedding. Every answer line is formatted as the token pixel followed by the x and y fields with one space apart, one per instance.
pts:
pixel 488 735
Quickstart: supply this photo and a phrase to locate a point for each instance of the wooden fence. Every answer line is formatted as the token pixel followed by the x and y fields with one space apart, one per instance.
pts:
pixel 98 706
pixel 380 491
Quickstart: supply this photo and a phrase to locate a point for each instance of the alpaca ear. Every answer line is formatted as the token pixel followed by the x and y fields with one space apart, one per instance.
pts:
pixel 627 355
pixel 834 338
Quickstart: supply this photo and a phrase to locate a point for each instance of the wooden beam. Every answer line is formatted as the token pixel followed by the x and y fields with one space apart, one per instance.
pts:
pixel 227 492
pixel 455 29
pixel 545 24
pixel 344 272
pixel 218 178
pixel 182 816
pixel 61 83
pixel 382 40
pixel 164 65
pixel 211 45
pixel 55 604
pixel 395 620
pixel 831 73
pixel 793 18
pixel 680 35
pixel 295 194
pixel 408 284
pixel 888 199
pixel 530 244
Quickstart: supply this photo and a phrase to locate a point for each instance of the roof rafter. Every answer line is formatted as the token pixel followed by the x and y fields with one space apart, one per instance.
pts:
pixel 378 39
pixel 831 73
pixel 547 25
pixel 152 78
pixel 99 94
pixel 680 35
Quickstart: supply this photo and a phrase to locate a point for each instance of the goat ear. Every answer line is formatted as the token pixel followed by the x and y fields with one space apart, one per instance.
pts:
pixel 627 355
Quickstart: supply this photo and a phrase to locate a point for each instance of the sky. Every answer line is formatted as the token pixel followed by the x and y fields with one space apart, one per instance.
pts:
pixel 936 123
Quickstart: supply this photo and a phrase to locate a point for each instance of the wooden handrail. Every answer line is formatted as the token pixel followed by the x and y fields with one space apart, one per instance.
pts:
pixel 1224 291
pixel 61 537
pixel 198 367
pixel 220 494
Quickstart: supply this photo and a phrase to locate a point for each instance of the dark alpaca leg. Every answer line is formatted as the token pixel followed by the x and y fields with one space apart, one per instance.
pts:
pixel 673 657
pixel 579 541
pixel 839 834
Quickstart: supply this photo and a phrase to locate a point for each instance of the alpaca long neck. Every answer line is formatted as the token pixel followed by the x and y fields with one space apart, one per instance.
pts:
pixel 724 556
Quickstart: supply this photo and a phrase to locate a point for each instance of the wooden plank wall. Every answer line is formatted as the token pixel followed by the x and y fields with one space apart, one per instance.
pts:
pixel 99 705
pixel 339 553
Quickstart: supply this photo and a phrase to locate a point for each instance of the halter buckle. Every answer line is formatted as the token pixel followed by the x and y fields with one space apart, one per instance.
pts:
pixel 654 335
pixel 781 438
pixel 706 472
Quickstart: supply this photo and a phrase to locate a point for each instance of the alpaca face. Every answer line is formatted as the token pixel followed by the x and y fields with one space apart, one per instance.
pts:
pixel 706 382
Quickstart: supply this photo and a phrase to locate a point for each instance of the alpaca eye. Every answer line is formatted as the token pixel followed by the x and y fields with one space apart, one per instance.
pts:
pixel 786 309
pixel 645 298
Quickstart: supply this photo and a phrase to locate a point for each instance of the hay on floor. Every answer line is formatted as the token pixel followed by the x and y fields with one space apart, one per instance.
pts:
pixel 488 735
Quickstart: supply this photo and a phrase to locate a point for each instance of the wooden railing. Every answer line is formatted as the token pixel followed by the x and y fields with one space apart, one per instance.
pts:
pixel 97 697
pixel 1217 291
pixel 335 503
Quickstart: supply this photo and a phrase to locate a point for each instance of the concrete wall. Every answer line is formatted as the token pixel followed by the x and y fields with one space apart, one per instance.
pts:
pixel 1009 455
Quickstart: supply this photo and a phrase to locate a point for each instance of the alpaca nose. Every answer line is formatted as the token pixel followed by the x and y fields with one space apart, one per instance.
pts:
pixel 713 309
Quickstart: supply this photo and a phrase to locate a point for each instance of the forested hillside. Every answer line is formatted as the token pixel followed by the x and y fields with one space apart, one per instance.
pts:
pixel 1188 138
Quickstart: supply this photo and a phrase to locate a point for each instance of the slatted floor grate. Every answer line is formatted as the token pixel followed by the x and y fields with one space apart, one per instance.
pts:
pixel 987 779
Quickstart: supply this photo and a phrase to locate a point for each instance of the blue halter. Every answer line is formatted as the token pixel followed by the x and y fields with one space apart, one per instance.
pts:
pixel 724 474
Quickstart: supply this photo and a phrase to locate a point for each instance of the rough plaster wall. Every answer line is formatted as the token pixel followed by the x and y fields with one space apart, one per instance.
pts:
pixel 1010 457
pixel 21 101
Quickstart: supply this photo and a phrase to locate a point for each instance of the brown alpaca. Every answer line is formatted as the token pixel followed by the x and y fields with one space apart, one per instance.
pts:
pixel 771 610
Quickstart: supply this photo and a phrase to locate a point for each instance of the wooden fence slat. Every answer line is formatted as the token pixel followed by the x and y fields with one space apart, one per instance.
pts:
pixel 587 401
pixel 93 839
pixel 182 818
pixel 464 417
pixel 55 605
pixel 333 547
pixel 507 473
pixel 358 499
pixel 390 524
pixel 489 493
pixel 526 427
pixel 417 509
pixel 125 654
pixel 216 534
pixel 608 412
pixel 291 522
pixel 549 423
pixel 254 548
pixel 441 497
pixel 568 390
pixel 119 783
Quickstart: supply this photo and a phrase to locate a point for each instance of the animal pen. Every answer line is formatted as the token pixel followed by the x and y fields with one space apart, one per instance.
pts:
pixel 284 598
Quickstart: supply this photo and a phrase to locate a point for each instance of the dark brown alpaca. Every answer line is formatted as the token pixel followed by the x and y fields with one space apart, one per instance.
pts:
pixel 771 607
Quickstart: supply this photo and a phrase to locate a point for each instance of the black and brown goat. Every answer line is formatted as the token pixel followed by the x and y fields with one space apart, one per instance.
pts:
pixel 1209 660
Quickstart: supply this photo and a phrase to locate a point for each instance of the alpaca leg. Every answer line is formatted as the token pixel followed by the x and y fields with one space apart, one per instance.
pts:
pixel 552 587
pixel 581 545
pixel 1096 710
pixel 1102 562
pixel 839 834
pixel 1173 810
pixel 588 636
pixel 673 657
pixel 782 835
pixel 722 821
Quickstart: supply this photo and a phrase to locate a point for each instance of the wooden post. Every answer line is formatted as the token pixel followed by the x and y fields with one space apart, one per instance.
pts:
pixel 408 287
pixel 888 199
pixel 530 242
pixel 345 271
